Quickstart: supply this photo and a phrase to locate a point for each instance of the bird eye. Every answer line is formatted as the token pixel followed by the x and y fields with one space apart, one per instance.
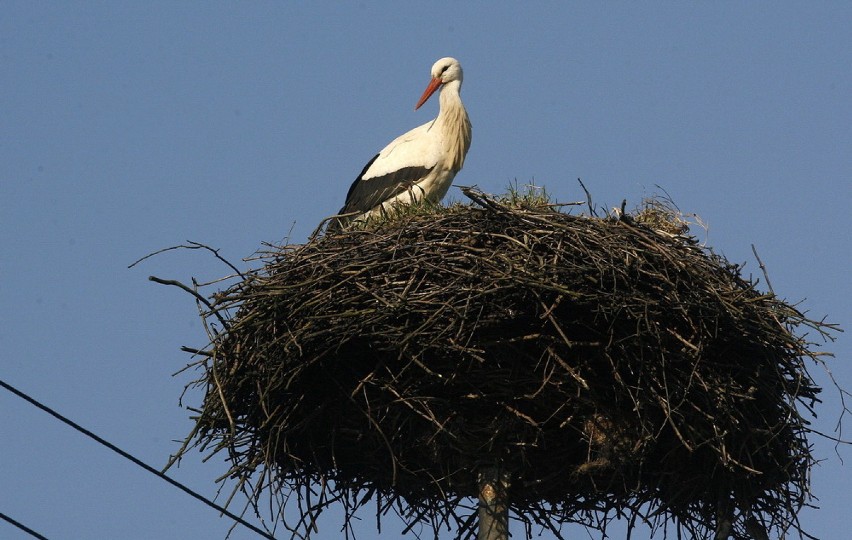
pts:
pixel 443 69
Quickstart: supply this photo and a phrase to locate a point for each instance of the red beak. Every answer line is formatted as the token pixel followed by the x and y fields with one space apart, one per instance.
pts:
pixel 434 84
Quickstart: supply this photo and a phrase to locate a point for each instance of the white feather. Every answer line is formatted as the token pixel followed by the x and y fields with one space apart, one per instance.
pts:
pixel 420 147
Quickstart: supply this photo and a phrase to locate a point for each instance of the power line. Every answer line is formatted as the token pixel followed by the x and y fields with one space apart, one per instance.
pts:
pixel 135 460
pixel 23 527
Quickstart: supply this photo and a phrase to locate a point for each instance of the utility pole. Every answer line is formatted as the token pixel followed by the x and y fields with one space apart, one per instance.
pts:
pixel 493 504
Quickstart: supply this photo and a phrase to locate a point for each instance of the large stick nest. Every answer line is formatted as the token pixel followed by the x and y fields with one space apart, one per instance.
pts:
pixel 608 367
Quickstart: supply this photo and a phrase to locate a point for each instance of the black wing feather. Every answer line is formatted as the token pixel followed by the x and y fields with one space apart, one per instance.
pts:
pixel 364 195
pixel 360 176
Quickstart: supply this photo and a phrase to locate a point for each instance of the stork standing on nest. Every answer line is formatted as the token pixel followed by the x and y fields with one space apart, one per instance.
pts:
pixel 421 164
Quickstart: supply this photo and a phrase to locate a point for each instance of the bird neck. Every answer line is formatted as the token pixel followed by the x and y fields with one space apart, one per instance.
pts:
pixel 449 99
pixel 455 125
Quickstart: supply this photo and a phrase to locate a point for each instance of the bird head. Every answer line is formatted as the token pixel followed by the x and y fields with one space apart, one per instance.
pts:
pixel 444 71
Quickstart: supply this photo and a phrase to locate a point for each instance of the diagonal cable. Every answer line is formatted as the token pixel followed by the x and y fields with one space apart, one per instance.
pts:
pixel 135 460
pixel 21 526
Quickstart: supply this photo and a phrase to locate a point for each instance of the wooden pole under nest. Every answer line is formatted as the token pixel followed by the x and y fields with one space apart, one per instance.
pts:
pixel 493 506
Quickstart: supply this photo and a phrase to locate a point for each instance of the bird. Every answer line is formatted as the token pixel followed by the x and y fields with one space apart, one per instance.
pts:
pixel 419 165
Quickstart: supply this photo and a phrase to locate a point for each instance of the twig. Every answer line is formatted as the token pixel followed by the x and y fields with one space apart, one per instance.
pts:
pixel 591 207
pixel 763 269
pixel 194 293
pixel 193 245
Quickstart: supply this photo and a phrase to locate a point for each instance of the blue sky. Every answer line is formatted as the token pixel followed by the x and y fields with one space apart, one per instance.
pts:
pixel 126 127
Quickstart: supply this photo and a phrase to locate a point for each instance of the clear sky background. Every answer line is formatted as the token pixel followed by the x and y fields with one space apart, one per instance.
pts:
pixel 126 127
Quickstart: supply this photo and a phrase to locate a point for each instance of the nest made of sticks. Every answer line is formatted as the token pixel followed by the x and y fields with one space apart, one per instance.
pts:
pixel 608 366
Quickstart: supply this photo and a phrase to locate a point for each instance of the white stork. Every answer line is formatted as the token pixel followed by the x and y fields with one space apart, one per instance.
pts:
pixel 421 164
